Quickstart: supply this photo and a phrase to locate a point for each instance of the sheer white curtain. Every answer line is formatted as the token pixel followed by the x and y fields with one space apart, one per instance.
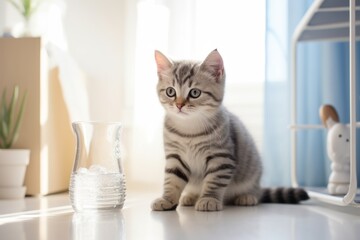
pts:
pixel 188 29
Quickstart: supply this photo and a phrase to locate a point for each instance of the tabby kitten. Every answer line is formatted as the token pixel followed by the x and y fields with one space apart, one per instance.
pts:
pixel 211 159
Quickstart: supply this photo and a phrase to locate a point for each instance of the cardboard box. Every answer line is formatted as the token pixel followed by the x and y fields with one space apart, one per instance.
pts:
pixel 46 128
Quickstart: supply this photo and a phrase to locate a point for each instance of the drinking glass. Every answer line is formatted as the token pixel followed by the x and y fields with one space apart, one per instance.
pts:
pixel 97 181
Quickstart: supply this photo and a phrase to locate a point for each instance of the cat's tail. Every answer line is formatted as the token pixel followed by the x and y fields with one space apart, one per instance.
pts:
pixel 283 195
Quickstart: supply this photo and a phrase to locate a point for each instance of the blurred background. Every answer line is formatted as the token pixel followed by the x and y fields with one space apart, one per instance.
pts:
pixel 113 42
pixel 105 54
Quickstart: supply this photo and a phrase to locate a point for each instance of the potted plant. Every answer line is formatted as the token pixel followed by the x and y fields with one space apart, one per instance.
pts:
pixel 26 9
pixel 13 162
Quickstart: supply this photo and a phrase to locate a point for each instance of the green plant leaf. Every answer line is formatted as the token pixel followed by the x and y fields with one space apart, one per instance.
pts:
pixel 3 105
pixel 12 105
pixel 2 142
pixel 15 132
pixel 5 130
pixel 7 145
pixel 2 135
pixel 11 117
pixel 3 114
pixel 1 132
pixel 27 8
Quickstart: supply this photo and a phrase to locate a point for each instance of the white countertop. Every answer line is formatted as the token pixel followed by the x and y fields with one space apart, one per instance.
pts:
pixel 52 218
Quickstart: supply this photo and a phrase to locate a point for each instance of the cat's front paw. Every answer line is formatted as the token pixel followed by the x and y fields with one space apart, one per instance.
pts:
pixel 162 204
pixel 208 204
pixel 246 200
pixel 188 200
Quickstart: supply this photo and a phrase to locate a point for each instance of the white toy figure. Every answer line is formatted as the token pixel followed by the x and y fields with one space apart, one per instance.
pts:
pixel 338 150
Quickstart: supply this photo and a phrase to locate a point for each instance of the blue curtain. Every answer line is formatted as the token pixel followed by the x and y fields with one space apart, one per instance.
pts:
pixel 323 78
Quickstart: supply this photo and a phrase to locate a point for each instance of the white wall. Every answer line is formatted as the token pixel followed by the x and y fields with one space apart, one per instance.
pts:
pixel 2 15
pixel 95 33
pixel 105 40
pixel 95 38
pixel 94 30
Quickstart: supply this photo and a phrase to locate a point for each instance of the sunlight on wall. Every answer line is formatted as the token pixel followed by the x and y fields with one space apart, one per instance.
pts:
pixel 237 29
pixel 190 30
pixel 152 31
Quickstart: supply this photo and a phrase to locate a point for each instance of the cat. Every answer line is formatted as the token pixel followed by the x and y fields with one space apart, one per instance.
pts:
pixel 211 158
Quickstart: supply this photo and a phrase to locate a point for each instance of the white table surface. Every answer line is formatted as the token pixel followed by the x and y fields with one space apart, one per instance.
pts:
pixel 53 218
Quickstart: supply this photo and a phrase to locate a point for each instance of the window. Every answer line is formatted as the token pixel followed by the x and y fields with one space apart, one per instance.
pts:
pixel 190 30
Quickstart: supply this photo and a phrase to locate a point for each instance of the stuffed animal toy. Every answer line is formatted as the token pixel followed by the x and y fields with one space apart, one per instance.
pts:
pixel 338 150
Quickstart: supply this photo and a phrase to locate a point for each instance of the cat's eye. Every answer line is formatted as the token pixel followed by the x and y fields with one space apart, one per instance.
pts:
pixel 195 93
pixel 170 92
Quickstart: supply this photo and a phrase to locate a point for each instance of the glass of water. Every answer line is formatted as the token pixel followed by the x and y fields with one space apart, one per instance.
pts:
pixel 97 181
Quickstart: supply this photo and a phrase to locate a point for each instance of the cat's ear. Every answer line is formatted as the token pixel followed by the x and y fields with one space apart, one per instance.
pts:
pixel 214 63
pixel 162 62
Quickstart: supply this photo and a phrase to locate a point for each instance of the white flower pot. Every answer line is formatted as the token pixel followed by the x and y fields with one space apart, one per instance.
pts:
pixel 13 163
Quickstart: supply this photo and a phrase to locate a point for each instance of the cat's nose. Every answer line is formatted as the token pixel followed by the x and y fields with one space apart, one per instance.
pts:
pixel 180 102
pixel 180 105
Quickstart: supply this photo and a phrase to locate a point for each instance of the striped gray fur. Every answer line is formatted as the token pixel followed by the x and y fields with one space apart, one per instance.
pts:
pixel 211 158
pixel 283 195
